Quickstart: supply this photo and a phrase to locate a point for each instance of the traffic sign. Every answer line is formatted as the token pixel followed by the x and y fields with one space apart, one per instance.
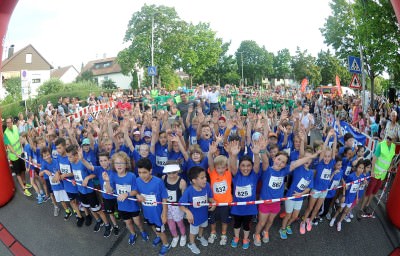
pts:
pixel 355 82
pixel 354 65
pixel 152 71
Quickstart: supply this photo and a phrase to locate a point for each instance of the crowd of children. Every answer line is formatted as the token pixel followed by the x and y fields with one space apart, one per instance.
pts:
pixel 141 160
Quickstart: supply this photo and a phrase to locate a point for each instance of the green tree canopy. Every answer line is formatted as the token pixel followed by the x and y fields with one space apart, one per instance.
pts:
pixel 304 66
pixel 53 85
pixel 282 64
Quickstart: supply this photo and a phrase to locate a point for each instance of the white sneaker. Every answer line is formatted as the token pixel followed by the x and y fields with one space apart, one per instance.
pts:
pixel 194 248
pixel 212 238
pixel 174 242
pixel 339 226
pixel 224 240
pixel 332 222
pixel 328 216
pixel 351 215
pixel 56 211
pixel 347 219
pixel 183 241
pixel 202 240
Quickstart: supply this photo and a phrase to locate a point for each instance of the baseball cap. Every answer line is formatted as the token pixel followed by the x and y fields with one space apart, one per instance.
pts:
pixel 272 134
pixel 86 141
pixel 222 118
pixel 171 168
pixel 136 133
pixel 147 134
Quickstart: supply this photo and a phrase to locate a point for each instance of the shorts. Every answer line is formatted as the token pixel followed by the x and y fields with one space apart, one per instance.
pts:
pixel 18 166
pixel 73 196
pixel 90 201
pixel 194 230
pixel 274 208
pixel 128 215
pixel 110 205
pixel 174 213
pixel 220 213
pixel 348 205
pixel 318 194
pixel 61 196
pixel 291 205
pixel 159 229
pixel 373 186
pixel 48 185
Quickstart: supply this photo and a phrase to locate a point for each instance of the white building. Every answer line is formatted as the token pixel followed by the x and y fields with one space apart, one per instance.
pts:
pixel 66 74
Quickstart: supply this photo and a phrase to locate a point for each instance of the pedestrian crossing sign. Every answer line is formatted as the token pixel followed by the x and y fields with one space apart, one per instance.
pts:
pixel 152 71
pixel 355 82
pixel 354 65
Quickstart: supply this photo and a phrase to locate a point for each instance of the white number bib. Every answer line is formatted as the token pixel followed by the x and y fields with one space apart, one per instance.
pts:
pixel 243 192
pixel 123 189
pixel 354 188
pixel 51 180
pixel 161 160
pixel 303 184
pixel 275 182
pixel 193 140
pixel 172 196
pixel 348 170
pixel 150 200
pixel 65 168
pixel 326 174
pixel 335 183
pixel 287 150
pixel 54 153
pixel 220 187
pixel 78 175
pixel 198 200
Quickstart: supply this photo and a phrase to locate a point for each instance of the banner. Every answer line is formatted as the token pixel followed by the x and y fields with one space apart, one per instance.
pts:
pixel 304 84
pixel 360 138
pixel 339 88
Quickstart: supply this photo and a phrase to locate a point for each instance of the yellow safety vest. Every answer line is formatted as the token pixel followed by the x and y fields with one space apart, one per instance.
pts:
pixel 13 138
pixel 384 160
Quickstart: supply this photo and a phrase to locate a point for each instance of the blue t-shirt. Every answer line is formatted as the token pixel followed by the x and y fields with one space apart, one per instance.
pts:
pixel 192 135
pixel 161 154
pixel 302 179
pixel 28 153
pixel 91 157
pixel 53 168
pixel 363 185
pixel 272 183
pixel 244 190
pixel 54 152
pixel 204 144
pixel 334 183
pixel 98 171
pixel 136 156
pixel 187 165
pixel 294 155
pixel 323 175
pixel 153 191
pixel 122 185
pixel 191 195
pixel 351 190
pixel 80 173
pixel 65 168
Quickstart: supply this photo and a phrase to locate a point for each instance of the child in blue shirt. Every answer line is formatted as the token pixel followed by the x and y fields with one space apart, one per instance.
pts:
pixel 197 194
pixel 151 190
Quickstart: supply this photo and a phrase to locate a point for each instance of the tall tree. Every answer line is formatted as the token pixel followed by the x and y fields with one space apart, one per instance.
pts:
pixel 282 64
pixel 304 66
pixel 330 67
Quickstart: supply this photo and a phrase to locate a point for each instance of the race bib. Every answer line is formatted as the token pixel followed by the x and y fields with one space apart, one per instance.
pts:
pixel 172 196
pixel 65 168
pixel 193 140
pixel 220 187
pixel 354 188
pixel 243 191
pixel 275 182
pixel 287 150
pixel 335 183
pixel 303 184
pixel 122 189
pixel 161 160
pixel 348 170
pixel 51 180
pixel 326 174
pixel 54 153
pixel 150 200
pixel 78 175
pixel 198 200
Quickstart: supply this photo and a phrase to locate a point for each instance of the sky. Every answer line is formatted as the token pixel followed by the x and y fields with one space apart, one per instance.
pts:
pixel 72 32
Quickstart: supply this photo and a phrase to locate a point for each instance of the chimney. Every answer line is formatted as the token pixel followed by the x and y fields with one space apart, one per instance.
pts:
pixel 10 51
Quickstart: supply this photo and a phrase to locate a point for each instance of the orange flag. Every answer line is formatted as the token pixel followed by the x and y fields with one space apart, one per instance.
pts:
pixel 339 88
pixel 304 84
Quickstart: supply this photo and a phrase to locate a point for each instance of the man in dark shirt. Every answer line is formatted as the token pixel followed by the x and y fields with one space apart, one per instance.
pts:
pixel 183 106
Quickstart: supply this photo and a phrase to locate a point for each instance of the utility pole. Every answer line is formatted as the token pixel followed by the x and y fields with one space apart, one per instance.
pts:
pixel 152 50
pixel 241 58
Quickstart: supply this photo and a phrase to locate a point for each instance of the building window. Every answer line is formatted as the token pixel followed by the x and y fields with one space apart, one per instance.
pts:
pixel 28 58
pixel 105 78
pixel 107 64
pixel 36 80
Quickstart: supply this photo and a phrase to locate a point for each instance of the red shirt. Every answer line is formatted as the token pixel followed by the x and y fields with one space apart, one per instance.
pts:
pixel 124 106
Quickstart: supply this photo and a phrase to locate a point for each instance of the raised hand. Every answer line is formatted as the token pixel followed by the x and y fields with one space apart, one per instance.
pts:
pixel 213 147
pixel 234 147
pixel 255 147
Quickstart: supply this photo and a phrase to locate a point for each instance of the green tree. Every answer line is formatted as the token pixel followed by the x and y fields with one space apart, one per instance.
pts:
pixel 85 76
pixel 304 66
pixel 108 84
pixel 330 67
pixel 13 88
pixel 53 85
pixel 282 64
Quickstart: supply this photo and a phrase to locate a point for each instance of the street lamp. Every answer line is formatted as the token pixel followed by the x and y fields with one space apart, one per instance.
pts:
pixel 241 58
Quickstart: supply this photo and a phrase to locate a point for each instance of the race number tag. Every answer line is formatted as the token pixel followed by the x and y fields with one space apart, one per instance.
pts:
pixel 243 191
pixel 172 196
pixel 65 168
pixel 78 175
pixel 220 187
pixel 199 200
pixel 303 184
pixel 51 180
pixel 275 182
pixel 150 200
pixel 348 170
pixel 354 188
pixel 123 189
pixel 161 160
pixel 335 183
pixel 326 174
pixel 193 140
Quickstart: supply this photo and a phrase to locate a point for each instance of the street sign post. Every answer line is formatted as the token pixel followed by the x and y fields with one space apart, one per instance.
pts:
pixel 152 71
pixel 354 65
pixel 355 82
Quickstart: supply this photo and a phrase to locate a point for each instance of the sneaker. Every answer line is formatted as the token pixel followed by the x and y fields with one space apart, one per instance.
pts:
pixel 202 240
pixel 67 215
pixel 79 221
pixel 257 240
pixel 194 248
pixel 224 240
pixel 182 242
pixel 347 219
pixel 282 233
pixel 56 211
pixel 116 215
pixel 88 220
pixel 116 230
pixel 156 240
pixel 212 238
pixel 45 198
pixel 328 216
pixel 289 230
pixel 302 228
pixel 98 225
pixel 132 239
pixel 332 222
pixel 27 193
pixel 27 186
pixel 145 236
pixel 339 226
pixel 314 222
pixel 39 199
pixel 164 249
pixel 265 237
pixel 174 242
pixel 234 242
pixel 308 225
pixel 107 230
pixel 246 244
pixel 351 215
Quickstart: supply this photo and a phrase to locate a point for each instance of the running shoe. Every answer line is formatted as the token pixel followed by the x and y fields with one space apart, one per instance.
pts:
pixel 224 240
pixel 257 239
pixel 56 211
pixel 107 230
pixel 302 228
pixel 132 239
pixel 156 240
pixel 339 226
pixel 164 249
pixel 351 215
pixel 39 199
pixel 265 238
pixel 116 230
pixel 174 242
pixel 282 233
pixel 347 219
pixel 193 248
pixel 332 222
pixel 289 230
pixel 88 220
pixel 246 244
pixel 27 185
pixel 27 193
pixel 98 225
pixel 234 242
pixel 67 214
pixel 182 242
pixel 202 240
pixel 45 198
pixel 145 236
pixel 308 225
pixel 79 221
pixel 212 238
pixel 328 216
